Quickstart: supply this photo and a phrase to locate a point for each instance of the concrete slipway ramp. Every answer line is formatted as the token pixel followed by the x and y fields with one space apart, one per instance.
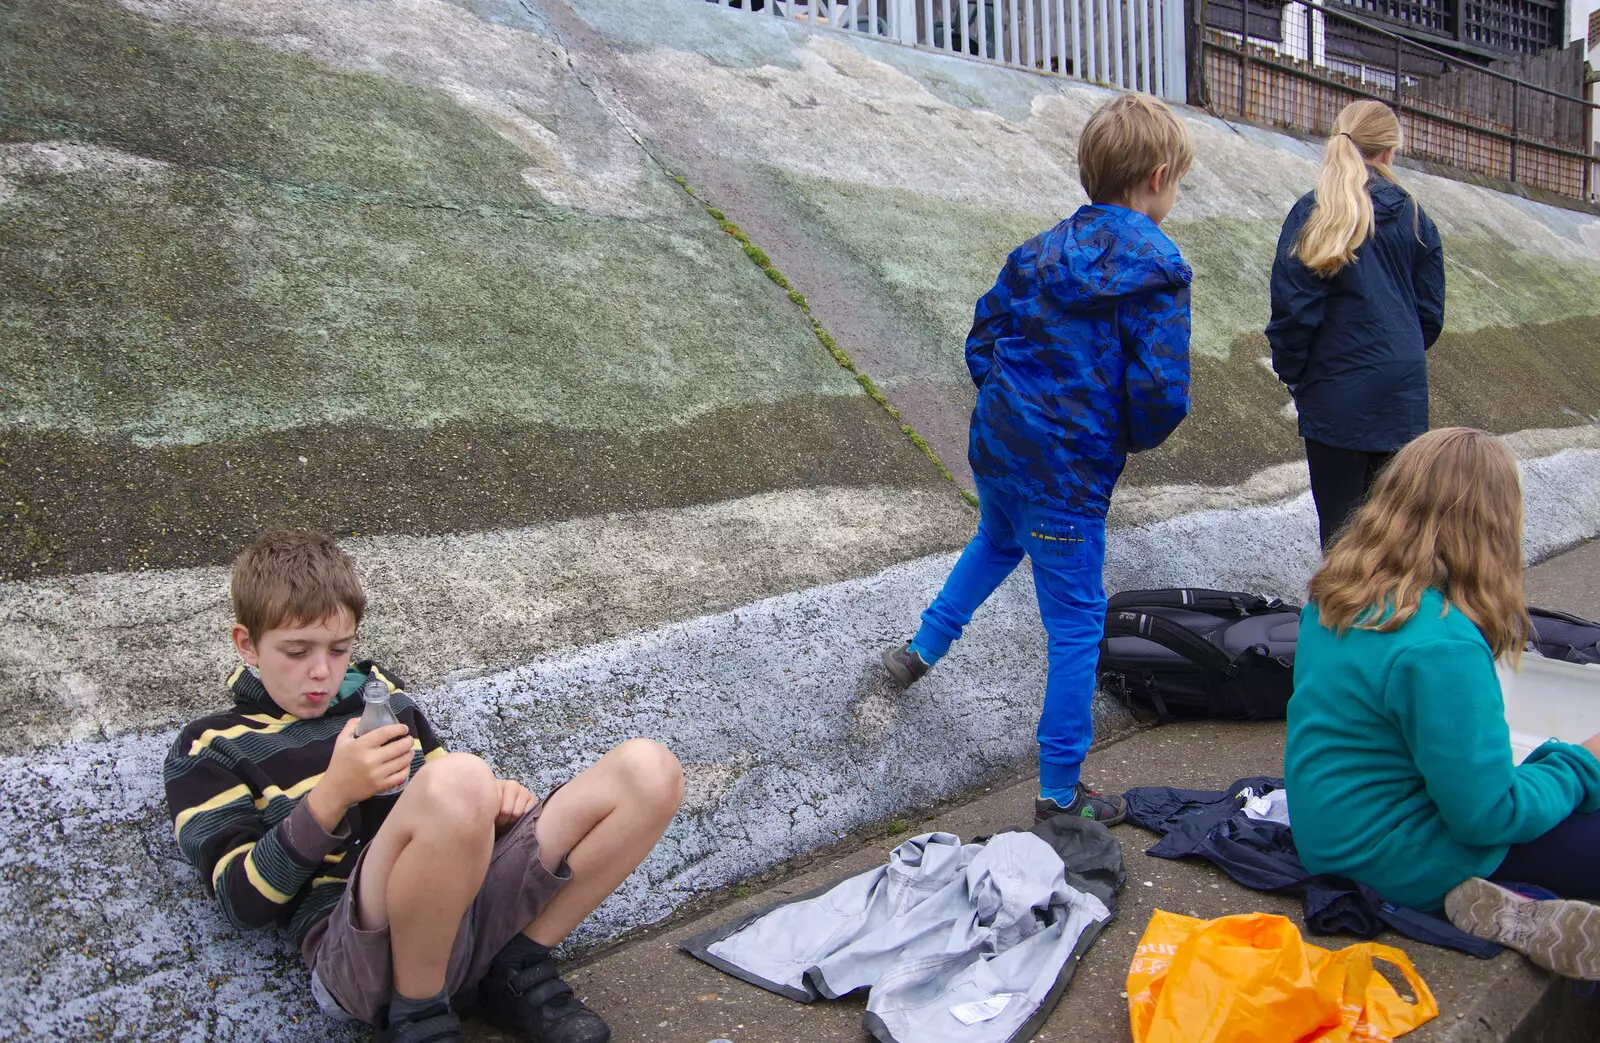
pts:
pixel 422 274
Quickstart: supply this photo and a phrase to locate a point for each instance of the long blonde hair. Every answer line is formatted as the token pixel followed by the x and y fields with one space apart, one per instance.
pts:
pixel 1446 513
pixel 1342 218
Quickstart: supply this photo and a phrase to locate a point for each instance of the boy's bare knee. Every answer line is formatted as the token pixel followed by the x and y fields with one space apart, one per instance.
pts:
pixel 652 771
pixel 461 786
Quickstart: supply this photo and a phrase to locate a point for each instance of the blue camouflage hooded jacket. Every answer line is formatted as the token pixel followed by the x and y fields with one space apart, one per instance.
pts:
pixel 1081 356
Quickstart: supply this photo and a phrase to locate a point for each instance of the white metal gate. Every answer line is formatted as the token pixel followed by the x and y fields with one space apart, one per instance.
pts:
pixel 1132 44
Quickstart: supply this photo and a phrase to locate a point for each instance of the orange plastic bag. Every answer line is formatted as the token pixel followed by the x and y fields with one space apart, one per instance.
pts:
pixel 1252 979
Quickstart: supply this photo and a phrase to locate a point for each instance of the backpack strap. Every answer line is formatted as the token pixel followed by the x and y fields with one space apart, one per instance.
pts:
pixel 1164 632
pixel 1197 599
pixel 1562 617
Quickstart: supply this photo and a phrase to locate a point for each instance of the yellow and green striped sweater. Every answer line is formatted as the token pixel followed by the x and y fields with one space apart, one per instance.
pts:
pixel 234 786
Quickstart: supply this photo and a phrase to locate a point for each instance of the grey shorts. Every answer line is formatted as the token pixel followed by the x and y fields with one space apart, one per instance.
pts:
pixel 351 974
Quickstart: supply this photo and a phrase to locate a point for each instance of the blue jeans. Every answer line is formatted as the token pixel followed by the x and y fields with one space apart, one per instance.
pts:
pixel 1068 553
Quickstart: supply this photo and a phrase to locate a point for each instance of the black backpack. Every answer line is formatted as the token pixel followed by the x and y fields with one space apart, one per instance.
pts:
pixel 1200 653
pixel 1557 635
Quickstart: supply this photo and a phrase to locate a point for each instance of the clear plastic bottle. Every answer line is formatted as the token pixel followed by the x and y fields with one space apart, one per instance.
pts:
pixel 377 713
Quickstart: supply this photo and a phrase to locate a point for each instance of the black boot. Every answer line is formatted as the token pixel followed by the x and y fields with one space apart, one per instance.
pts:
pixel 534 1001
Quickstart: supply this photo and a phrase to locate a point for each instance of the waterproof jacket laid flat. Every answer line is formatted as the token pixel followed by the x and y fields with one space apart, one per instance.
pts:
pixel 956 943
pixel 1081 356
pixel 1351 349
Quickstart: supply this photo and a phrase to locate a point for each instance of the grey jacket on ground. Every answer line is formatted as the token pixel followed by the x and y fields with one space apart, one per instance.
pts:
pixel 957 943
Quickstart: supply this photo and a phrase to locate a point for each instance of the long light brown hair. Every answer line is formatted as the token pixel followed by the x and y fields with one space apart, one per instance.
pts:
pixel 1446 513
pixel 1342 219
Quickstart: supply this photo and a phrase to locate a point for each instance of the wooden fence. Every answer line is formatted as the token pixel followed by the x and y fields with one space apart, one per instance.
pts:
pixel 1534 129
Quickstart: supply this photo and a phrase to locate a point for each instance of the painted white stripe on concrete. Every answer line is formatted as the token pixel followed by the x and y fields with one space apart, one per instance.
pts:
pixel 90 656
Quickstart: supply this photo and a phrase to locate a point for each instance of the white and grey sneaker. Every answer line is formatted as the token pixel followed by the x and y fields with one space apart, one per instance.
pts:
pixel 1560 935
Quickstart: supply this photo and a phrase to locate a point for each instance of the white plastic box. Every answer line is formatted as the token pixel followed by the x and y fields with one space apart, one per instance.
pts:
pixel 1549 699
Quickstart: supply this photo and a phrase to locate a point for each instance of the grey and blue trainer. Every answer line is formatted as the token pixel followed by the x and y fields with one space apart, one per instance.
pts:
pixel 1106 808
pixel 905 666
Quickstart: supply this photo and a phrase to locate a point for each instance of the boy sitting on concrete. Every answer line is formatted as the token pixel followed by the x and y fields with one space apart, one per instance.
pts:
pixel 1081 356
pixel 397 903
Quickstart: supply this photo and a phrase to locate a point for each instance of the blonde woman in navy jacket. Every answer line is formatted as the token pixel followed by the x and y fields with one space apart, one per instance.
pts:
pixel 1357 300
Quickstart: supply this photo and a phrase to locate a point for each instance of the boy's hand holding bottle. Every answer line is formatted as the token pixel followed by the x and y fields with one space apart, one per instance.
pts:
pixel 363 765
pixel 371 758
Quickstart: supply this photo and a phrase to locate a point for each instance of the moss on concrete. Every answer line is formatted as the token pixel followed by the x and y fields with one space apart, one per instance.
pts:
pixel 76 504
pixel 762 261
pixel 192 306
pixel 1493 283
pixel 1512 378
pixel 1501 379
pixel 933 258
pixel 930 258
pixel 327 246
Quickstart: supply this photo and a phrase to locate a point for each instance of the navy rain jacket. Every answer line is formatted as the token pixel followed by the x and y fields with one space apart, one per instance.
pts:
pixel 1351 348
pixel 1081 356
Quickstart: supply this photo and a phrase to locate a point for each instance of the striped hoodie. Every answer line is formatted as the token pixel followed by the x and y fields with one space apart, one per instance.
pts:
pixel 234 782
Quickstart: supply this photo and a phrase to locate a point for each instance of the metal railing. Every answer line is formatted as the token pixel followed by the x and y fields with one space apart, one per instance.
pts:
pixel 1132 44
pixel 1296 63
pixel 1493 26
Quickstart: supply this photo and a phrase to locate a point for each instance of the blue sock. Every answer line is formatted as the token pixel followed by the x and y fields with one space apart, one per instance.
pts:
pixel 922 653
pixel 1058 782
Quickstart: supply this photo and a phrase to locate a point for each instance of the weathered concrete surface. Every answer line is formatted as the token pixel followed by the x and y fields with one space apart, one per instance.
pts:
pixel 1571 579
pixel 778 709
pixel 890 183
pixel 98 655
pixel 103 654
pixel 376 268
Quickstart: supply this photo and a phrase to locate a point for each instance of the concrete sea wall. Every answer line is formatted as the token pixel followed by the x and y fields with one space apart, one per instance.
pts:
pixel 426 275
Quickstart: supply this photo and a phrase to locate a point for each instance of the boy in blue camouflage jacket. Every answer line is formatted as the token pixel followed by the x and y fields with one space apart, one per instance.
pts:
pixel 1081 355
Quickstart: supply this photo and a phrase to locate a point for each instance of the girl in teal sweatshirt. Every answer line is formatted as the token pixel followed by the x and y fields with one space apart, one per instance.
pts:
pixel 1399 765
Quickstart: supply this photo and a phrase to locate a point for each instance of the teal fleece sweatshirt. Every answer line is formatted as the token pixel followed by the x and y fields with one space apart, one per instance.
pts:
pixel 1398 763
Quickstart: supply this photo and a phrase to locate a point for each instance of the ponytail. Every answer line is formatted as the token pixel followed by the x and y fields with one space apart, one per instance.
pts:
pixel 1342 218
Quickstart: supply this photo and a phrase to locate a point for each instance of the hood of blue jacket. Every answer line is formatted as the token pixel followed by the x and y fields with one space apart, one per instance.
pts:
pixel 1103 253
pixel 1389 200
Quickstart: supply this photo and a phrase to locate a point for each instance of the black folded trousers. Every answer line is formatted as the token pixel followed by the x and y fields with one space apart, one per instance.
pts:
pixel 1211 824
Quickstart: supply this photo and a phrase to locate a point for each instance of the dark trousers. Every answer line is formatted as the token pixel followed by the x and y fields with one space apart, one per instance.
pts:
pixel 1340 479
pixel 1564 860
